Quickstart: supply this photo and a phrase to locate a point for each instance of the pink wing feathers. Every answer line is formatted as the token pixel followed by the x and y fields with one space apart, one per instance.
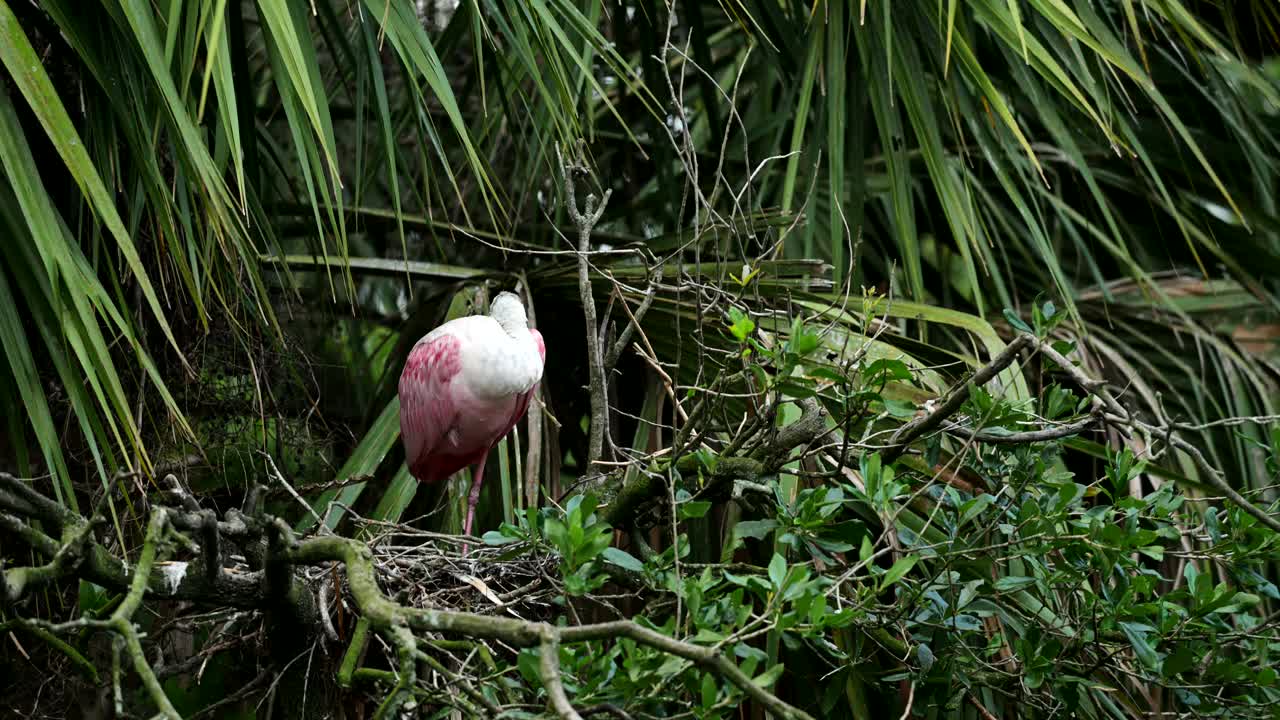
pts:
pixel 542 346
pixel 430 409
pixel 427 408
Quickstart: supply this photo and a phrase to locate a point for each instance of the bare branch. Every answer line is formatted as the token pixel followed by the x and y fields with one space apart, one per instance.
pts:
pixel 633 323
pixel 1054 432
pixel 585 221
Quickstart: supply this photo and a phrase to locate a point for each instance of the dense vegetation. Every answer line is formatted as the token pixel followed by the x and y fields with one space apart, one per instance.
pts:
pixel 932 370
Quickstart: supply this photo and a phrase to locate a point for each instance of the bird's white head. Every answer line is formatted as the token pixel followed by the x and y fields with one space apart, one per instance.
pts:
pixel 509 312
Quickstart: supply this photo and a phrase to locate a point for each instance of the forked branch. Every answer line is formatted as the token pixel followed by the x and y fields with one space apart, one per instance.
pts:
pixel 585 221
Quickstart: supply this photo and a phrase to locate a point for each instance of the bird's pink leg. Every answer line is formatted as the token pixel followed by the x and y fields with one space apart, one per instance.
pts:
pixel 474 498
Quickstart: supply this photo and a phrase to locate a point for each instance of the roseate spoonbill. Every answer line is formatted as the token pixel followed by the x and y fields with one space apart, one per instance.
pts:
pixel 463 388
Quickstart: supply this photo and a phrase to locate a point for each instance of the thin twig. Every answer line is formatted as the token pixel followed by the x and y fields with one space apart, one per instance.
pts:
pixel 1055 432
pixel 611 359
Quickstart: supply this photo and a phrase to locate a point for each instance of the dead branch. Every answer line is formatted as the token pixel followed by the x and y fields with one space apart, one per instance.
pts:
pixel 585 220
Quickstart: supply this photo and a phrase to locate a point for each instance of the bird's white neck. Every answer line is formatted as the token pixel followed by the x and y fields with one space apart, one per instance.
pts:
pixel 516 327
pixel 508 363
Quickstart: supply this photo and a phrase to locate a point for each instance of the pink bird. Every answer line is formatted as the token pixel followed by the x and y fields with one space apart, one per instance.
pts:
pixel 464 386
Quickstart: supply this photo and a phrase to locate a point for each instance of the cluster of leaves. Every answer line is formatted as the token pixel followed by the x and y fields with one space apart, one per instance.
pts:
pixel 580 538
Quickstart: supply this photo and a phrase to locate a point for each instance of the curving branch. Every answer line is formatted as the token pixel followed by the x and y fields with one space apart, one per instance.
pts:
pixel 549 669
pixel 357 558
